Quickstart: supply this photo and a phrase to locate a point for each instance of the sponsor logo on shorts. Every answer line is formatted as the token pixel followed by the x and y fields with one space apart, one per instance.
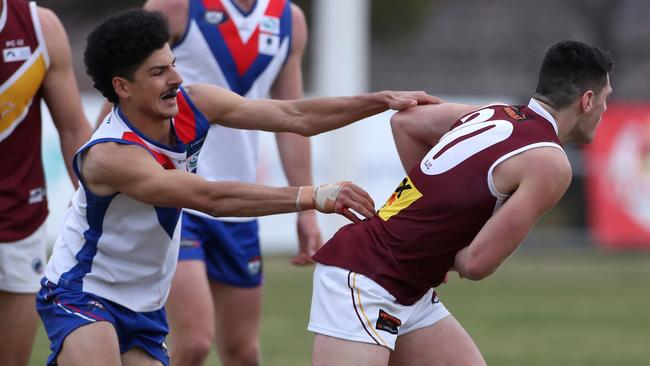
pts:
pixel 388 323
pixel 36 195
pixel 190 243
pixel 163 346
pixel 37 265
pixel 254 266
pixel 94 305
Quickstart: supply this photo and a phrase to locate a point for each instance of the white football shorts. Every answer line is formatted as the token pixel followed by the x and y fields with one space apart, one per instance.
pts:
pixel 351 306
pixel 22 263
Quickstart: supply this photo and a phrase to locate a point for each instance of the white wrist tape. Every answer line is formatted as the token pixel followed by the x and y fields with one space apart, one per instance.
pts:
pixel 325 193
pixel 298 199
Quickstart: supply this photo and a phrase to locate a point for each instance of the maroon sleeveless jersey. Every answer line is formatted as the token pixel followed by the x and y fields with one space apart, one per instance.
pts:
pixel 23 206
pixel 438 209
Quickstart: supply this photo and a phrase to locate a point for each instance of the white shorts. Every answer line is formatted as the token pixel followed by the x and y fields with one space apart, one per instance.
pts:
pixel 22 263
pixel 351 306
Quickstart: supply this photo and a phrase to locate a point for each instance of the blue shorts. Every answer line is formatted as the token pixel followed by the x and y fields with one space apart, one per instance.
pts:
pixel 62 311
pixel 230 250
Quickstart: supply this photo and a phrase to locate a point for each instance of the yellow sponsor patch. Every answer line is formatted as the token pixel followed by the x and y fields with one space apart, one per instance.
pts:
pixel 405 194
pixel 17 92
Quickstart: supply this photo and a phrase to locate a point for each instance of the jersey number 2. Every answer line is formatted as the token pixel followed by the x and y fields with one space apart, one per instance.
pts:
pixel 466 140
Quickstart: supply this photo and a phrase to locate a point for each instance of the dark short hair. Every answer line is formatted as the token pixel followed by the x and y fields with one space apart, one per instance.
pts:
pixel 569 69
pixel 120 44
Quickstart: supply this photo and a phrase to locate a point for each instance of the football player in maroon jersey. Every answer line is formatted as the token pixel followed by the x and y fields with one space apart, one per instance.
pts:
pixel 36 65
pixel 478 180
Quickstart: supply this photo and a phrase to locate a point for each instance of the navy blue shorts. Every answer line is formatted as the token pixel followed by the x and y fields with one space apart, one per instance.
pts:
pixel 230 250
pixel 62 311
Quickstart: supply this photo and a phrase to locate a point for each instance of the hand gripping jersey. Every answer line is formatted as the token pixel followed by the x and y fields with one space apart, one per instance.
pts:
pixel 243 52
pixel 116 247
pixel 442 204
pixel 25 61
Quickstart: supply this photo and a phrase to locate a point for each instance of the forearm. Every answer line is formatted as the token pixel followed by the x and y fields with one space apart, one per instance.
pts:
pixel 493 244
pixel 319 115
pixel 497 240
pixel 306 117
pixel 250 200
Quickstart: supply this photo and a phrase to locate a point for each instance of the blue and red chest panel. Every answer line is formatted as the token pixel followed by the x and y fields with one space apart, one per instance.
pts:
pixel 189 128
pixel 243 44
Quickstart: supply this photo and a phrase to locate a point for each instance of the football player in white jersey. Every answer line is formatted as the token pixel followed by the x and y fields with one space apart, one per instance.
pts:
pixel 253 48
pixel 109 275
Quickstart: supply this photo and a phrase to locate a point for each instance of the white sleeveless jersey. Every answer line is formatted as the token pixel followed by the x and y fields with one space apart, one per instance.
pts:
pixel 116 247
pixel 239 51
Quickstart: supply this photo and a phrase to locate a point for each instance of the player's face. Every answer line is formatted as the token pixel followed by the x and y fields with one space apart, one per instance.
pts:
pixel 155 85
pixel 590 121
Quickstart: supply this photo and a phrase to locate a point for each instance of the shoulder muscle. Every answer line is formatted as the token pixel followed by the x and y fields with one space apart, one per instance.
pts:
pixel 543 174
pixel 108 167
pixel 213 101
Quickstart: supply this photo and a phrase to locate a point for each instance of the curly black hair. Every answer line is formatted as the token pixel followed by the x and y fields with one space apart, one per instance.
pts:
pixel 569 69
pixel 120 44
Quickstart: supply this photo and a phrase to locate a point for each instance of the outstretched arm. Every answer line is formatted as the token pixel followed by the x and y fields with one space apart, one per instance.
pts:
pixel 109 167
pixel 538 177
pixel 306 117
pixel 416 130
pixel 60 90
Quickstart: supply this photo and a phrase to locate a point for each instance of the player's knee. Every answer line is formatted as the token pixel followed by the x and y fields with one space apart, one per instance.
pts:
pixel 248 355
pixel 194 347
pixel 193 354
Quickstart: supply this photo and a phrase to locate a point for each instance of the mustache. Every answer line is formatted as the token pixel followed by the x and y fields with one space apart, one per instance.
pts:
pixel 171 93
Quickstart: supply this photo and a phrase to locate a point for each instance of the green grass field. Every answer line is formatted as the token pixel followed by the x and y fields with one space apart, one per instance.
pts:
pixel 574 308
